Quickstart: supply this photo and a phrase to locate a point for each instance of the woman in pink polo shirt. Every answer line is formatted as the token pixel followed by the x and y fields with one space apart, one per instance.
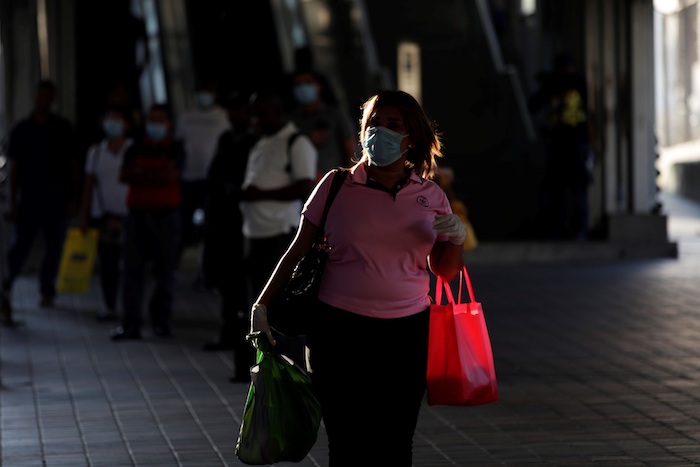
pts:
pixel 368 341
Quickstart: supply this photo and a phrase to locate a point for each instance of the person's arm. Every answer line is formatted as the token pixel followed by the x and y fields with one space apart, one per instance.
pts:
pixel 126 171
pixel 14 188
pixel 297 190
pixel 134 174
pixel 14 153
pixel 278 279
pixel 446 259
pixel 74 194
pixel 70 145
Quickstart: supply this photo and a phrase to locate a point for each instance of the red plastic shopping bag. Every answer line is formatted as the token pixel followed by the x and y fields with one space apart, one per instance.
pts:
pixel 460 360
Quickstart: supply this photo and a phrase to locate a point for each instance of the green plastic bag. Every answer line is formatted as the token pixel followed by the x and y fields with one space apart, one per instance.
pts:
pixel 281 416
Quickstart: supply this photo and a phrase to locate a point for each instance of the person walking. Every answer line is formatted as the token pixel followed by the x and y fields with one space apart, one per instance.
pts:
pixel 43 177
pixel 104 202
pixel 368 335
pixel 151 169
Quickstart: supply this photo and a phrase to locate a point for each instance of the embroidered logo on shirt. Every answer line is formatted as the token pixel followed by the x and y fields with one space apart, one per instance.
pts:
pixel 423 201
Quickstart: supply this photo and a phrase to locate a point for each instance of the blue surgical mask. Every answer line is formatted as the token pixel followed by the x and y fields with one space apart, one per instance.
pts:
pixel 156 131
pixel 305 93
pixel 205 99
pixel 382 145
pixel 112 127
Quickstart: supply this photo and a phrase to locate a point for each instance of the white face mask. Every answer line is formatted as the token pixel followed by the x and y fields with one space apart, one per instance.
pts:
pixel 156 131
pixel 205 99
pixel 112 127
pixel 305 93
pixel 383 146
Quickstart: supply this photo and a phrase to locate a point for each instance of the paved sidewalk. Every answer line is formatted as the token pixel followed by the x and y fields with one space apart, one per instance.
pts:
pixel 598 364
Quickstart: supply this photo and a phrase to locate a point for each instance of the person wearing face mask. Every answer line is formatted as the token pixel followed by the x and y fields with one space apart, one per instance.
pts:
pixel 151 169
pixel 328 126
pixel 198 130
pixel 389 226
pixel 104 202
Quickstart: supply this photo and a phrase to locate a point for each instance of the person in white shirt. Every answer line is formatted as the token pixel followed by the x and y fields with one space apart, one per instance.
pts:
pixel 279 177
pixel 198 130
pixel 104 202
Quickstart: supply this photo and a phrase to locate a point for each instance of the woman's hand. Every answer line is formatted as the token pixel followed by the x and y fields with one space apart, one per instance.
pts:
pixel 451 226
pixel 258 321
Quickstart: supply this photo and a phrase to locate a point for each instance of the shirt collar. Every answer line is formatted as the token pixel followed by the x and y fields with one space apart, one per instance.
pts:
pixel 285 131
pixel 359 174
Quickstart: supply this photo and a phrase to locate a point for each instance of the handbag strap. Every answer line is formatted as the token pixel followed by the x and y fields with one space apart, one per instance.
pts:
pixel 338 179
pixel 442 284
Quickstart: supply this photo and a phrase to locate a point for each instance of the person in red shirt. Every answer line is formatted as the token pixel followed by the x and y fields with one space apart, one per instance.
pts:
pixel 151 168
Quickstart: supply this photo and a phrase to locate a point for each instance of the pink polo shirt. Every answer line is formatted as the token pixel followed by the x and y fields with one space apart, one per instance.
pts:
pixel 379 244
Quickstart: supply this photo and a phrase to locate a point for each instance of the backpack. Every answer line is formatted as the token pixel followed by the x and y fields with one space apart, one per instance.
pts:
pixel 290 141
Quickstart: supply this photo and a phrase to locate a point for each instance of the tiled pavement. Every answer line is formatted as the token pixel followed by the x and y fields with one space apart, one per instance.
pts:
pixel 598 364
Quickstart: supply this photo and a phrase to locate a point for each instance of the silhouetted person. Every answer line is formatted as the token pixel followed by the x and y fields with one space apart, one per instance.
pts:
pixel 43 180
pixel 278 177
pixel 329 128
pixel 562 96
pixel 222 252
pixel 198 130
pixel 151 168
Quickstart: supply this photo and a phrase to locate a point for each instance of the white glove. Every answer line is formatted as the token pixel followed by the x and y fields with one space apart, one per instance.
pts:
pixel 452 226
pixel 258 321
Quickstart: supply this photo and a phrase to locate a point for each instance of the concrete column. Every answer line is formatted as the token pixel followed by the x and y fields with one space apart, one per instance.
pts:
pixel 610 97
pixel 61 41
pixel 21 57
pixel 176 54
pixel 643 111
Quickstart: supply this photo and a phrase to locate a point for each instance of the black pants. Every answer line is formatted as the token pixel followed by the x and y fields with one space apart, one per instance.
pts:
pixel 261 257
pixel 152 237
pixel 222 268
pixel 369 375
pixel 110 257
pixel 49 218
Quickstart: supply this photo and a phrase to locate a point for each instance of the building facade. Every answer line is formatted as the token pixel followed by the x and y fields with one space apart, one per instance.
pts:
pixel 471 63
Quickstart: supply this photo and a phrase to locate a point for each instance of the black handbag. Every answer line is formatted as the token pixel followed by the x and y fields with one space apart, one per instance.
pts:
pixel 289 311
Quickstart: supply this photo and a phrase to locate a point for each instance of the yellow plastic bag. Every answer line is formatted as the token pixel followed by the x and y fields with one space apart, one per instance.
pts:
pixel 77 261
